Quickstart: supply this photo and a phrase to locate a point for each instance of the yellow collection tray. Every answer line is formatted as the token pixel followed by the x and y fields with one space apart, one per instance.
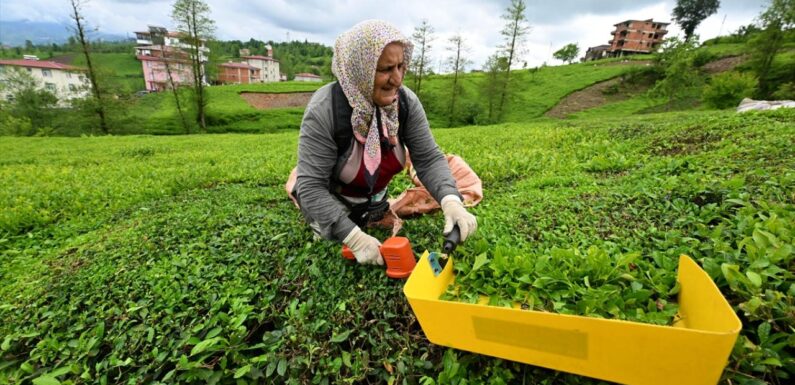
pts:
pixel 692 351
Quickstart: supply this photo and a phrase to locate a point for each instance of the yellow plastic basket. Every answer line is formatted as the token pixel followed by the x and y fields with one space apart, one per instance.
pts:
pixel 692 351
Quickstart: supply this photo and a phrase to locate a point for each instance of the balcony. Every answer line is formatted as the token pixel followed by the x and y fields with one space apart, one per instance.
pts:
pixel 143 41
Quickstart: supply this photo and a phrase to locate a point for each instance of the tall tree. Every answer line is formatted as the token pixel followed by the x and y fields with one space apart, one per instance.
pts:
pixel 690 13
pixel 192 18
pixel 422 37
pixel 457 63
pixel 779 17
pixel 82 39
pixel 158 36
pixel 492 84
pixel 568 53
pixel 515 32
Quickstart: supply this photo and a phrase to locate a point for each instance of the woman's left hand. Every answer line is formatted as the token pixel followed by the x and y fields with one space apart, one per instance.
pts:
pixel 456 214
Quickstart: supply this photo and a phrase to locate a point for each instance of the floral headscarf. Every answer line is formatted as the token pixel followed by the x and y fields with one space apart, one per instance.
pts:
pixel 356 54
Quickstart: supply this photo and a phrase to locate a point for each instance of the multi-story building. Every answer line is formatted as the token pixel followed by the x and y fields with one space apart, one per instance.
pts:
pixel 268 66
pixel 64 81
pixel 637 36
pixel 238 73
pixel 165 59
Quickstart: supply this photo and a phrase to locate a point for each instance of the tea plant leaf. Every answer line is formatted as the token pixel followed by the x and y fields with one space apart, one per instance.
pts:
pixel 46 380
pixel 240 372
pixel 204 345
pixel 341 336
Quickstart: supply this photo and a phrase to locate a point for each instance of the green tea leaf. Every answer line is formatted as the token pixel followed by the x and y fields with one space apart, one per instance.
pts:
pixel 46 380
pixel 240 372
pixel 341 336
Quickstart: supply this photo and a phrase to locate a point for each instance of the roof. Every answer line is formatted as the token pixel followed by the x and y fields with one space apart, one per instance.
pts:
pixel 40 64
pixel 158 58
pixel 306 75
pixel 642 21
pixel 258 57
pixel 238 65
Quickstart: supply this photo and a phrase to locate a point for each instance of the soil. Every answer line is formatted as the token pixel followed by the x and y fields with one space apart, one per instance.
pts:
pixel 608 91
pixel 724 64
pixel 265 101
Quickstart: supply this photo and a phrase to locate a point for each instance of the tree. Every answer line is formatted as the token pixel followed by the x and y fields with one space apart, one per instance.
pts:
pixel 85 46
pixel 690 13
pixel 158 36
pixel 457 63
pixel 681 79
pixel 192 18
pixel 31 106
pixel 568 53
pixel 515 32
pixel 422 37
pixel 779 17
pixel 492 84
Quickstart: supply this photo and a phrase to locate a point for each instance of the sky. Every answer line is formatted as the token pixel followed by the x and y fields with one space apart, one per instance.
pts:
pixel 553 23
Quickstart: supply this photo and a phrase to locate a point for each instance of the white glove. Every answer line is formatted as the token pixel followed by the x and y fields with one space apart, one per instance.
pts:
pixel 366 249
pixel 456 214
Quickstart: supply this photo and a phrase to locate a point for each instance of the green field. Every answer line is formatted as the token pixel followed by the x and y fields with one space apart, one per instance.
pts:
pixel 122 71
pixel 144 259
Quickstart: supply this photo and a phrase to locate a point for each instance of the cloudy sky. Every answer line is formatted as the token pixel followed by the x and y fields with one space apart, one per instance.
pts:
pixel 554 23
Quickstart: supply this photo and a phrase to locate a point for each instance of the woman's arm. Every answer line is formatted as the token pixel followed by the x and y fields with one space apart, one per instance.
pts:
pixel 317 156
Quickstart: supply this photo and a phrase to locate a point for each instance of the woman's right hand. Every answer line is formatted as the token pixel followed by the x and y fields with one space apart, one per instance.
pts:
pixel 366 248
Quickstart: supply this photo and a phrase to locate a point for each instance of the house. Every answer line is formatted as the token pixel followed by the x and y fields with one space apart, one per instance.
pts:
pixel 596 53
pixel 238 73
pixel 166 59
pixel 65 81
pixel 636 36
pixel 268 66
pixel 305 77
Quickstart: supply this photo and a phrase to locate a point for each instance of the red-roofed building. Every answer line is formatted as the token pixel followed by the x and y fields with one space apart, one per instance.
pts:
pixel 268 66
pixel 64 81
pixel 238 73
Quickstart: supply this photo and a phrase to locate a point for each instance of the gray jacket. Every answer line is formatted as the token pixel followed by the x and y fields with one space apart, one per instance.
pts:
pixel 317 162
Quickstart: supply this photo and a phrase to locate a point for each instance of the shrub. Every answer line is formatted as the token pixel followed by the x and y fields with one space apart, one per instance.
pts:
pixel 727 89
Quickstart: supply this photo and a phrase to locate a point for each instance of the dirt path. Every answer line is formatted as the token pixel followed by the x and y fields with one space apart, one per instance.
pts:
pixel 608 91
pixel 265 101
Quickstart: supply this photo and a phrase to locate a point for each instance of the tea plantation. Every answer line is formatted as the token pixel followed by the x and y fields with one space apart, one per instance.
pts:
pixel 140 259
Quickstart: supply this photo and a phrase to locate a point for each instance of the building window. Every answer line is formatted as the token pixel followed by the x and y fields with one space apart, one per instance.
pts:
pixel 46 73
pixel 50 87
pixel 72 88
pixel 29 69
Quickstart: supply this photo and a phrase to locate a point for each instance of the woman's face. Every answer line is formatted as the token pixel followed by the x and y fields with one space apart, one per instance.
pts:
pixel 388 74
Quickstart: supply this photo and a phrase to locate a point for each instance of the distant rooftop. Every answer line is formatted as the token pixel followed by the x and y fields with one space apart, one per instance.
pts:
pixel 40 64
pixel 238 65
pixel 258 57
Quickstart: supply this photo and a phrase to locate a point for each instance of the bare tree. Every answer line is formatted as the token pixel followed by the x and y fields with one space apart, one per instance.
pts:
pixel 80 34
pixel 423 36
pixel 158 36
pixel 192 18
pixel 515 32
pixel 456 62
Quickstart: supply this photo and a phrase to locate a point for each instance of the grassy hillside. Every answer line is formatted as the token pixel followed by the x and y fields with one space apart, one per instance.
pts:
pixel 226 111
pixel 180 259
pixel 119 69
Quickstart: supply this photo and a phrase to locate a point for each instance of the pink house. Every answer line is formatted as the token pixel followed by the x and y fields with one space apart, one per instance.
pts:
pixel 165 59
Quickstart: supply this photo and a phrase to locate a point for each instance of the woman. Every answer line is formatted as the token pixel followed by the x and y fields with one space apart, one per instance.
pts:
pixel 352 142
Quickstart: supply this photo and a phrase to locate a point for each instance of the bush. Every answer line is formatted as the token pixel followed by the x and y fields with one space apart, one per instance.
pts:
pixel 728 89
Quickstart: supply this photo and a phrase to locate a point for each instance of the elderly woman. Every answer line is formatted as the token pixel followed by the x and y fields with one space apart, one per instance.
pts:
pixel 353 139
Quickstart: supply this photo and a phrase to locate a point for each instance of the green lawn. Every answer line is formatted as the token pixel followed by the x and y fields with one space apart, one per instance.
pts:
pixel 143 259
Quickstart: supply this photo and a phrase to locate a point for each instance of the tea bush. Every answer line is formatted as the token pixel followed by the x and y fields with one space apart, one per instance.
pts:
pixel 180 260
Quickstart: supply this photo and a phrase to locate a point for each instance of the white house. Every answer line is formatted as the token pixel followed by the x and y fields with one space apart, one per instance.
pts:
pixel 268 66
pixel 307 77
pixel 65 81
